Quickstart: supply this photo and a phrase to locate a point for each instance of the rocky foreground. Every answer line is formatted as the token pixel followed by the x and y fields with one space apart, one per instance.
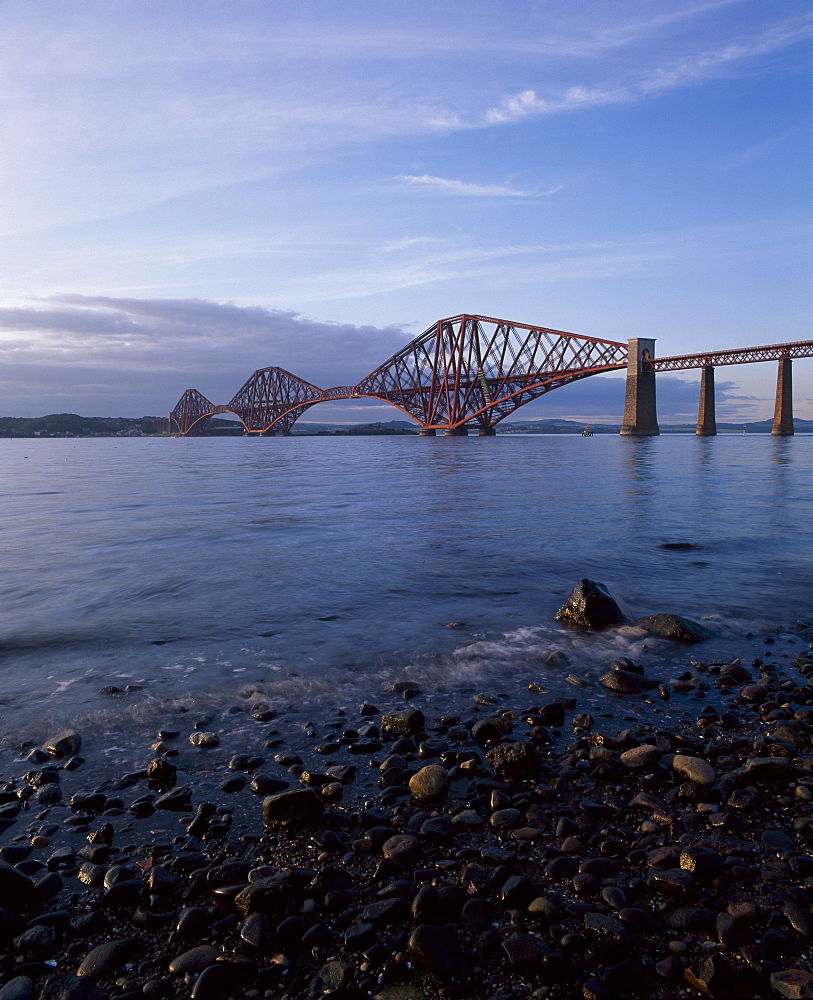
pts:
pixel 498 853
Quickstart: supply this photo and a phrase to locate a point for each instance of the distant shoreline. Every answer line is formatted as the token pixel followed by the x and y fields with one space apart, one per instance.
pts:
pixel 71 425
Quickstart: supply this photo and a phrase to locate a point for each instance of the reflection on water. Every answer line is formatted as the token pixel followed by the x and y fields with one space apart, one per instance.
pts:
pixel 322 556
pixel 638 466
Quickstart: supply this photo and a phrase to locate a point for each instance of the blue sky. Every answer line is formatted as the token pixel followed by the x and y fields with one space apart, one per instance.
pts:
pixel 192 190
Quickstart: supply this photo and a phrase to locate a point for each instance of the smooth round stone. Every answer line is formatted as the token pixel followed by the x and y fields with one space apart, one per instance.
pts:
pixel 64 744
pixel 255 931
pixel 492 854
pixel 193 920
pixel 799 919
pixel 694 769
pixel 194 961
pixel 614 897
pixel 638 919
pixel 436 827
pixel 431 782
pixel 34 940
pixel 775 841
pixel 562 867
pixel 434 948
pixel 703 862
pixel 524 950
pixel 108 957
pixel 543 907
pixel 49 795
pixel 401 847
pixel 468 818
pixel 641 758
pixel 499 800
pixel 525 834
pixel 19 988
pixel 204 739
pixel 215 982
pixel 504 819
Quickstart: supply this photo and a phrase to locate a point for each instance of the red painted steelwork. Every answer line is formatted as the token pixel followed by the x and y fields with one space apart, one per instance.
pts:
pixel 467 369
pixel 463 370
pixel 475 369
pixel 272 400
pixel 191 413
pixel 737 356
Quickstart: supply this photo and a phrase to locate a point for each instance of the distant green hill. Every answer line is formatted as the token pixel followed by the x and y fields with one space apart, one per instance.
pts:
pixel 72 425
pixel 388 427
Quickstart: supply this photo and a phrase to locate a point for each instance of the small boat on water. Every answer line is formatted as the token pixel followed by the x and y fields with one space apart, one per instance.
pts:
pixel 587 433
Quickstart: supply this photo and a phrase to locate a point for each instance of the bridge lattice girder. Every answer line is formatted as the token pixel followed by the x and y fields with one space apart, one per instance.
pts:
pixel 192 413
pixel 735 356
pixel 273 399
pixel 466 369
pixel 478 369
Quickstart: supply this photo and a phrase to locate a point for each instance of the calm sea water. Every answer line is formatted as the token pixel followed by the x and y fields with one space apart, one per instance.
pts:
pixel 314 571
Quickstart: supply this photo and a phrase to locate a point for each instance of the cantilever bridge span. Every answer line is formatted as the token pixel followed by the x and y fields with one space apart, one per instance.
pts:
pixel 461 372
pixel 472 371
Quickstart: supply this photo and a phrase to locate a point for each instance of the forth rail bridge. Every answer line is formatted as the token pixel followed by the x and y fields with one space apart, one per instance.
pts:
pixel 470 372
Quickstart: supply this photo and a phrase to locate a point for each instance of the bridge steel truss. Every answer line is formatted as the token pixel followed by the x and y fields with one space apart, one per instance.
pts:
pixel 192 413
pixel 476 370
pixel 737 356
pixel 270 401
pixel 273 399
pixel 463 371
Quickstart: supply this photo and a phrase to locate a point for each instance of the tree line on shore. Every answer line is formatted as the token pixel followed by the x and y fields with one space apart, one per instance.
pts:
pixel 73 425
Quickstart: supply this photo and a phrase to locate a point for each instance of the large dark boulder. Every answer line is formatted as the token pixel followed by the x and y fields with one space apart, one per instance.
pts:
pixel 296 808
pixel 625 681
pixel 514 760
pixel 674 627
pixel 591 605
pixel 17 891
pixel 434 948
pixel 63 986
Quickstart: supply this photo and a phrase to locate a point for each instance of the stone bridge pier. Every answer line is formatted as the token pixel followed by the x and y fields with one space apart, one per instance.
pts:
pixel 640 405
pixel 783 409
pixel 706 417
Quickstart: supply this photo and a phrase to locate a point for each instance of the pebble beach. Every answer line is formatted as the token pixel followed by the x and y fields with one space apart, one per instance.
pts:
pixel 501 850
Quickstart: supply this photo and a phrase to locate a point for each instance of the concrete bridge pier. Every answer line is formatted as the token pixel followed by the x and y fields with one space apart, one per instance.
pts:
pixel 427 432
pixel 783 410
pixel 461 431
pixel 706 417
pixel 640 408
pixel 487 431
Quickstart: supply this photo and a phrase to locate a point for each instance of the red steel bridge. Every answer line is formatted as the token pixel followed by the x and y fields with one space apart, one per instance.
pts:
pixel 470 372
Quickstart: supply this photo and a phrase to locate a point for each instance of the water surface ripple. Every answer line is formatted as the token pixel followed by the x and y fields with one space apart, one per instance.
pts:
pixel 325 567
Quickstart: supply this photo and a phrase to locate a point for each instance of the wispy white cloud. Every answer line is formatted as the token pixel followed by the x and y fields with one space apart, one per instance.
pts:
pixel 598 38
pixel 759 149
pixel 421 262
pixel 674 75
pixel 451 186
